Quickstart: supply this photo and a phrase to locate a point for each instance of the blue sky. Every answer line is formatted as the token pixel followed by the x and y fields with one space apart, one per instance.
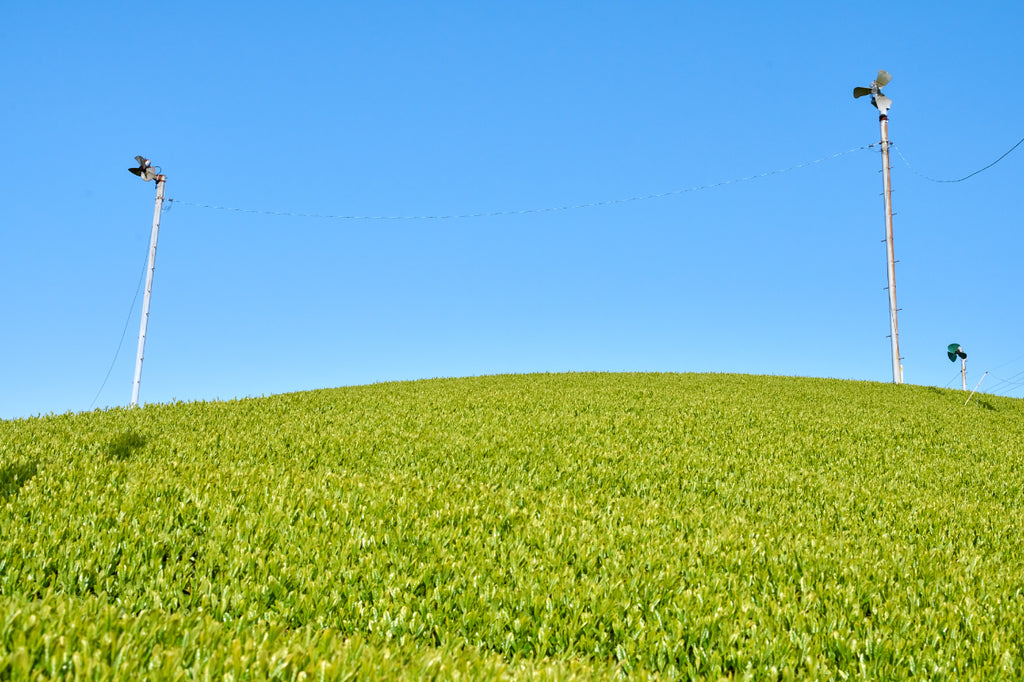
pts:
pixel 411 109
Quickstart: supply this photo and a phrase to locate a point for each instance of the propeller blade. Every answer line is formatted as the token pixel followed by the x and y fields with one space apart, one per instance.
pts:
pixel 881 102
pixel 883 78
pixel 860 92
pixel 145 169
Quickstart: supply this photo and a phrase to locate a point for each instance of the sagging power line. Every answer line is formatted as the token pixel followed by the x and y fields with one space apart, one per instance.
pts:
pixel 548 209
pixel 146 171
pixel 966 177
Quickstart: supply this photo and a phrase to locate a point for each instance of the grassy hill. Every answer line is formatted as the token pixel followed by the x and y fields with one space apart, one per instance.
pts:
pixel 571 526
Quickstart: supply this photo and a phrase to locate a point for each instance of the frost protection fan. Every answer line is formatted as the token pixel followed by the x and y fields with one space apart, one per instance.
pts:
pixel 878 98
pixel 145 169
pixel 954 351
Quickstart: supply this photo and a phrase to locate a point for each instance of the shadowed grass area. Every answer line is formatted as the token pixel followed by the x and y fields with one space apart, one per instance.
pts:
pixel 14 475
pixel 124 445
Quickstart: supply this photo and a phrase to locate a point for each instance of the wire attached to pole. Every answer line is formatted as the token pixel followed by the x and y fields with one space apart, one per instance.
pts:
pixel 131 311
pixel 969 175
pixel 549 209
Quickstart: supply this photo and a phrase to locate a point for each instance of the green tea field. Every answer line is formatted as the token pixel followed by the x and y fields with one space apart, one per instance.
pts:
pixel 562 526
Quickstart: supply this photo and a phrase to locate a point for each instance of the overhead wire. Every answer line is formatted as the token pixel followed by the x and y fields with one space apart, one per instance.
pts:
pixel 567 207
pixel 1011 383
pixel 1000 387
pixel 1005 385
pixel 1009 362
pixel 131 311
pixel 969 175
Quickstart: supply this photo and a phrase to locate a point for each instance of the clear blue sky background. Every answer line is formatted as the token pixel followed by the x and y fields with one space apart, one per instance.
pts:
pixel 415 108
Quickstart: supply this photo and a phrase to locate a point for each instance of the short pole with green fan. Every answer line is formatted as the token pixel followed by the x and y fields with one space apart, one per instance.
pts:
pixel 954 351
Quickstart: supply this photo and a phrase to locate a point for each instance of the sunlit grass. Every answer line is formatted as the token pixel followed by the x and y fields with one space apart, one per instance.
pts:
pixel 556 526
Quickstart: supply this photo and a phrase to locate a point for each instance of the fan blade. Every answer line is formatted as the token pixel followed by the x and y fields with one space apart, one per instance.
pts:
pixel 860 92
pixel 141 160
pixel 881 102
pixel 137 171
pixel 883 78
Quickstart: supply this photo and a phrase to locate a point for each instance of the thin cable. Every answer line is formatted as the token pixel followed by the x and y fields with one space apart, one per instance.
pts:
pixel 1002 387
pixel 570 207
pixel 971 175
pixel 1019 357
pixel 131 310
pixel 1013 381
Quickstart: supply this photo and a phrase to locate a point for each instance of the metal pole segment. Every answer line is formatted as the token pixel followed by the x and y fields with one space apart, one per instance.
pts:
pixel 963 372
pixel 160 180
pixel 897 373
pixel 975 388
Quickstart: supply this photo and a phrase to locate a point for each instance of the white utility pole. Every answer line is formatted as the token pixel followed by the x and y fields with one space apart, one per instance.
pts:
pixel 894 335
pixel 146 172
pixel 882 103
